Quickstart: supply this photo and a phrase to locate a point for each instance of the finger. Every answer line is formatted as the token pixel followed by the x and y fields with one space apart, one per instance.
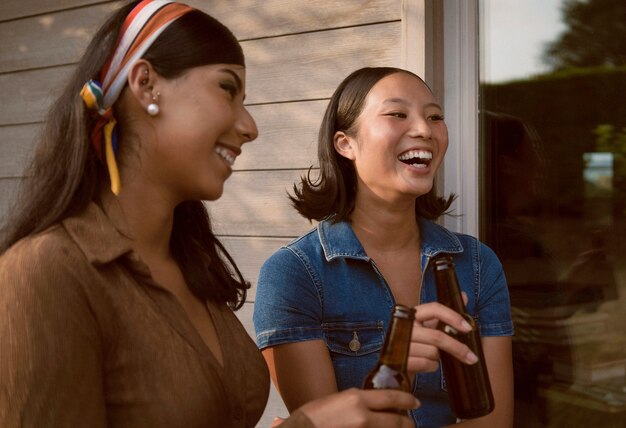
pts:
pixel 421 365
pixel 424 337
pixel 419 349
pixel 465 298
pixel 276 422
pixel 384 399
pixel 385 419
pixel 427 312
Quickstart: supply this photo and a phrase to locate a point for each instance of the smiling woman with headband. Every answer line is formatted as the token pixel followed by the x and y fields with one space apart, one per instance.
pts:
pixel 116 298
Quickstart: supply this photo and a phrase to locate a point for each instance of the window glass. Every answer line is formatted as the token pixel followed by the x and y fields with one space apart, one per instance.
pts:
pixel 553 200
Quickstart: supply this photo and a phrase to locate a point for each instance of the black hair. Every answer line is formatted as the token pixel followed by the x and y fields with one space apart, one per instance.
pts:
pixel 333 192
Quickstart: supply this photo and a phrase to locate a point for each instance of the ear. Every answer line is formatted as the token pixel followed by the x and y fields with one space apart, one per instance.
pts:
pixel 142 82
pixel 344 145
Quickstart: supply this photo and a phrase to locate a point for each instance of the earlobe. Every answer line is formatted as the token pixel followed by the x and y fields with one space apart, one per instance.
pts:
pixel 343 145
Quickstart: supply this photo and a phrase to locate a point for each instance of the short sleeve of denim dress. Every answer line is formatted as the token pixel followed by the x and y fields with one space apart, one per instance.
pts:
pixel 287 305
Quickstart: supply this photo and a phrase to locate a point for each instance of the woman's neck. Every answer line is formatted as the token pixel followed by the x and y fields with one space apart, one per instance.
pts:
pixel 148 219
pixel 386 227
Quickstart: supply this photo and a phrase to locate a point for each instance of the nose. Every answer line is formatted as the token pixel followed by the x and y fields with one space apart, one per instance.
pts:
pixel 421 128
pixel 246 126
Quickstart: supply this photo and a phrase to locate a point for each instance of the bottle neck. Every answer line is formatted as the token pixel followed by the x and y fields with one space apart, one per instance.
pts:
pixel 396 348
pixel 448 290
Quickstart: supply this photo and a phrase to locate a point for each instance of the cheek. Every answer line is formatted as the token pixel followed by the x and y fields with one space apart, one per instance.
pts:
pixel 442 140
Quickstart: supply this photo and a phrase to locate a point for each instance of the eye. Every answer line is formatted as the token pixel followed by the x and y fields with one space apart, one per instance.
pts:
pixel 397 114
pixel 230 87
pixel 436 117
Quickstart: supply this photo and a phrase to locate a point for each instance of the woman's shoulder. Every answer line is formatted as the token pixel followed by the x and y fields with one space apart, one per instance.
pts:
pixel 41 258
pixel 297 247
pixel 465 242
pixel 39 246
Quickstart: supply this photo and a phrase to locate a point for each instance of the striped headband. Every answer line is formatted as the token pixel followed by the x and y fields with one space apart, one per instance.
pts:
pixel 141 28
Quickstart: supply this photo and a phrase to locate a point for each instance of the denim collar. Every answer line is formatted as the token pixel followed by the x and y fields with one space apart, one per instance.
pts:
pixel 339 240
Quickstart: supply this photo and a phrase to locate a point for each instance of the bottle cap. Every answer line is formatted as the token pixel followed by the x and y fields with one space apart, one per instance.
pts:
pixel 402 311
pixel 443 262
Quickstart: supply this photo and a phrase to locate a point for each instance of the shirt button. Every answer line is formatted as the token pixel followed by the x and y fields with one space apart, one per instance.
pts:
pixel 238 412
pixel 354 344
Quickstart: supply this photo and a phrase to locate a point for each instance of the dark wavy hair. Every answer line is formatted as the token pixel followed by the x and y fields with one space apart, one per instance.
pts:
pixel 65 174
pixel 333 192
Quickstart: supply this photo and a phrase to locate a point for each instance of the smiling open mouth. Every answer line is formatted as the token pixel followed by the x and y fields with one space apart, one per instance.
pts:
pixel 416 158
pixel 225 154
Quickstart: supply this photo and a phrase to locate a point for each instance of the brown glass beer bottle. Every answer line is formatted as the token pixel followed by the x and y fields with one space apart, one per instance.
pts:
pixel 390 371
pixel 468 385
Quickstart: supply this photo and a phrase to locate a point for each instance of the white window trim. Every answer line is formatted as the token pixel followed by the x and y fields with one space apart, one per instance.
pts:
pixel 461 167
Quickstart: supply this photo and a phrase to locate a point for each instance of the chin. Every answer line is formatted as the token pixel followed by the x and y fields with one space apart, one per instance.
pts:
pixel 212 194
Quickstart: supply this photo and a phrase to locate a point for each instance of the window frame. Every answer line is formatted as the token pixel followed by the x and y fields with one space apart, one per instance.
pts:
pixel 461 97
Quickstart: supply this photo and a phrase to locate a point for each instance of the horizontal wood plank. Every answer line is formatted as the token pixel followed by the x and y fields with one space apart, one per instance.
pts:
pixel 287 136
pixel 13 9
pixel 17 144
pixel 249 19
pixel 287 139
pixel 310 66
pixel 250 253
pixel 8 192
pixel 26 96
pixel 49 40
pixel 255 203
pixel 278 69
pixel 57 38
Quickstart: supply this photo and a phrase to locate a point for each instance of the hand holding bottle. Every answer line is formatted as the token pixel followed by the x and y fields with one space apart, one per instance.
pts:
pixel 427 341
pixel 361 408
pixel 469 387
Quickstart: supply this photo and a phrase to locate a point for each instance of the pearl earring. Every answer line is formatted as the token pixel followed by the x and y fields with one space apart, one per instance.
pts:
pixel 153 108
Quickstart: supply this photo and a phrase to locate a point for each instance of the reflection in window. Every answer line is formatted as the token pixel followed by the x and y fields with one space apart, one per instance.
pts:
pixel 553 142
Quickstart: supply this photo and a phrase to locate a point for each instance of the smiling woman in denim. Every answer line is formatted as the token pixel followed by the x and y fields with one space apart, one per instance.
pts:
pixel 324 300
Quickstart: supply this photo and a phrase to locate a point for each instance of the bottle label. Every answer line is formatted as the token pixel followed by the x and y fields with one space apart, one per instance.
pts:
pixel 387 378
pixel 450 330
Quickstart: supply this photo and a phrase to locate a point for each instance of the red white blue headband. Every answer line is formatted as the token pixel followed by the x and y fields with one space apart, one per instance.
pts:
pixel 141 28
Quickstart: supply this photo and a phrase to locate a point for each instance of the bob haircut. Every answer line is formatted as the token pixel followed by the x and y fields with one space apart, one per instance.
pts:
pixel 333 192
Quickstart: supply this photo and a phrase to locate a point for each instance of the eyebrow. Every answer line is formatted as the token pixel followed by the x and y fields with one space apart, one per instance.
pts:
pixel 406 103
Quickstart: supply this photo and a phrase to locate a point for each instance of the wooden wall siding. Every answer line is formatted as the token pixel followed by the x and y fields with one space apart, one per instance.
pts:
pixel 247 18
pixel 251 19
pixel 26 95
pixel 51 39
pixel 60 37
pixel 287 136
pixel 16 146
pixel 311 65
pixel 255 204
pixel 8 187
pixel 256 251
pixel 287 139
pixel 13 9
pixel 279 69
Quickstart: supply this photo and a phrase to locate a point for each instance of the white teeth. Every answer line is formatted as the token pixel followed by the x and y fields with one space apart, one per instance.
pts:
pixel 416 154
pixel 225 154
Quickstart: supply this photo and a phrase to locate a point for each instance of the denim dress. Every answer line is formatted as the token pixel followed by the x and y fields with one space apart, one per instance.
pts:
pixel 324 286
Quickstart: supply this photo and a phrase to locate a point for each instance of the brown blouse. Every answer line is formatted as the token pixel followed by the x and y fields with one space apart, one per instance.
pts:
pixel 88 339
